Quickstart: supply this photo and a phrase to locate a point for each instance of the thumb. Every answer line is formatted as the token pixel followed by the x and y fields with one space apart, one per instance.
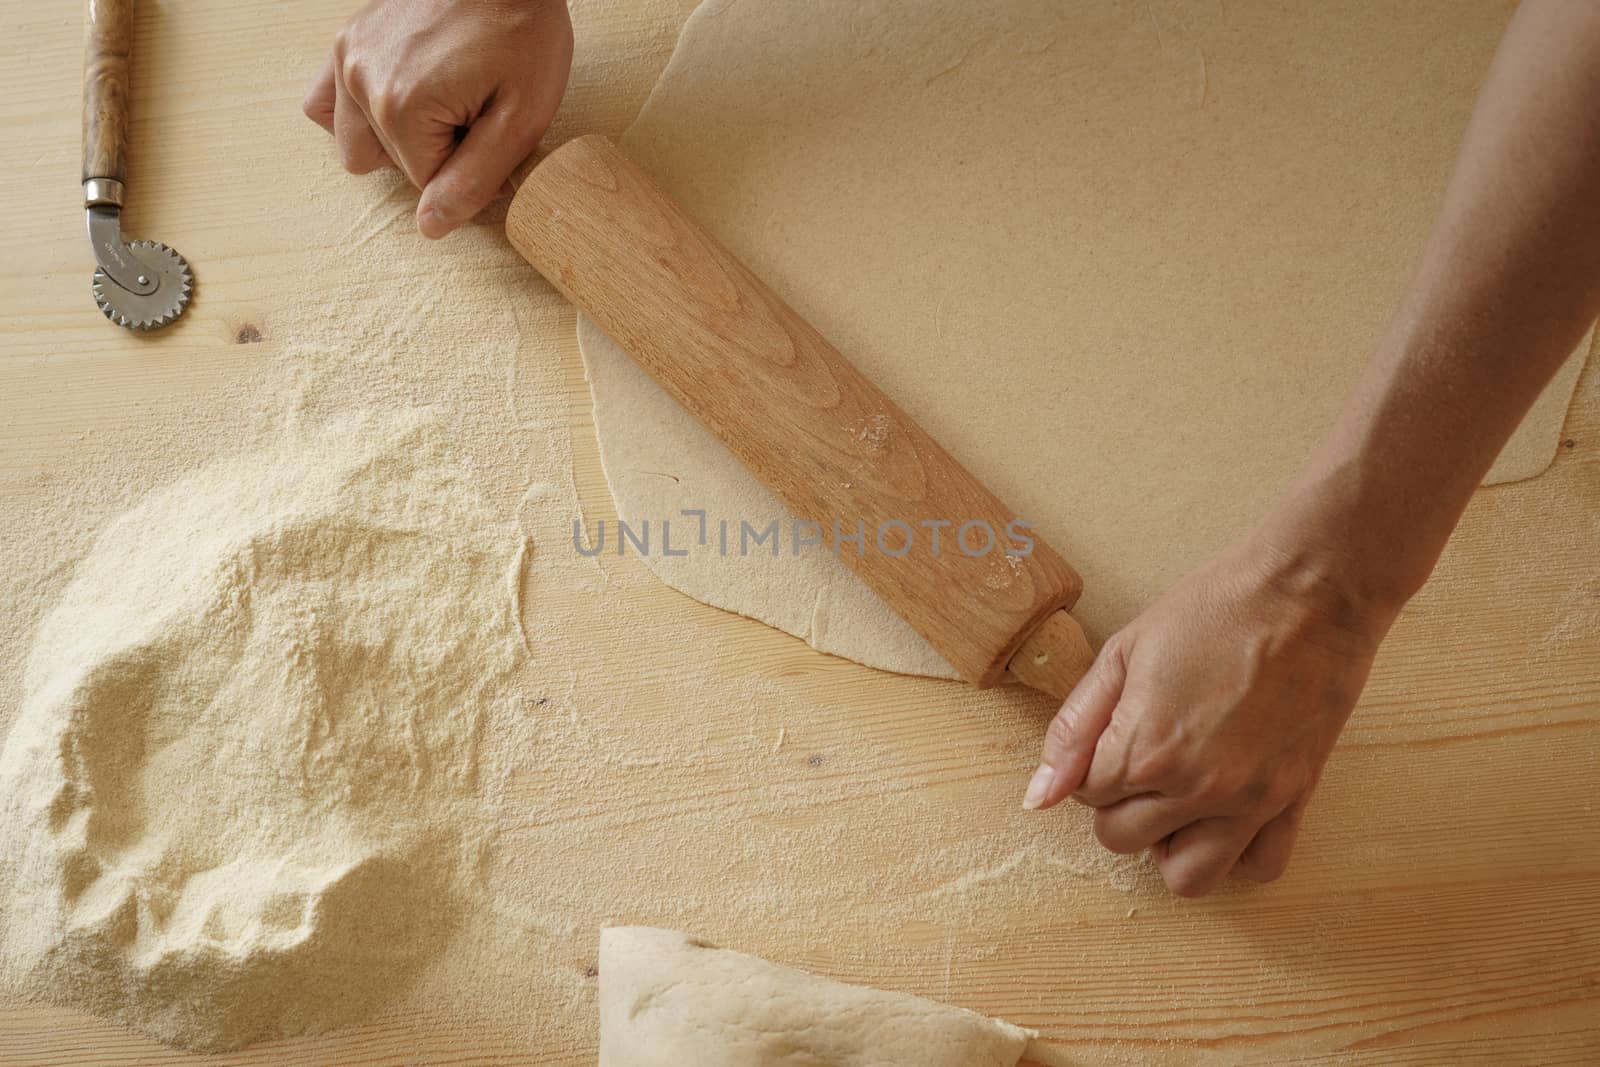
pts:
pixel 1070 741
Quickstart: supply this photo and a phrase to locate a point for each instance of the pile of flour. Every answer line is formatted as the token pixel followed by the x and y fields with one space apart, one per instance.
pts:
pixel 239 788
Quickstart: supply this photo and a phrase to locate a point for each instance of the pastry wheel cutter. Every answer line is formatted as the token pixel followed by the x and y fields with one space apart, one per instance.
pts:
pixel 142 285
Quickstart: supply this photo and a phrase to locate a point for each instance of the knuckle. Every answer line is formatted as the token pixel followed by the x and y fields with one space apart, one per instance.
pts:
pixel 381 104
pixel 350 70
pixel 1061 732
pixel 1187 883
pixel 1262 868
pixel 1118 845
pixel 1251 793
pixel 1111 836
pixel 391 99
pixel 1279 794
pixel 1209 787
pixel 472 191
pixel 1232 790
pixel 448 204
pixel 1152 766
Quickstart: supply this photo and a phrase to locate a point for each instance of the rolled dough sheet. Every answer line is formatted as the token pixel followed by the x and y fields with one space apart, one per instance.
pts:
pixel 1122 259
pixel 667 1000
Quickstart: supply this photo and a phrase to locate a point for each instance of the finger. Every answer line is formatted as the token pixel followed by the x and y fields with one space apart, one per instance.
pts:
pixel 1070 741
pixel 1139 822
pixel 1267 856
pixel 318 102
pixel 1195 859
pixel 474 173
pixel 1107 781
pixel 359 147
pixel 1139 755
pixel 417 143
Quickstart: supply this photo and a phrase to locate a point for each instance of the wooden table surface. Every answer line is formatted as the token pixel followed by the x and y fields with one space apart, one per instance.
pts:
pixel 1445 902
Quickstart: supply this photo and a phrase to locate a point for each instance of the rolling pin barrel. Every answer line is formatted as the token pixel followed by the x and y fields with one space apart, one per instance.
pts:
pixel 833 448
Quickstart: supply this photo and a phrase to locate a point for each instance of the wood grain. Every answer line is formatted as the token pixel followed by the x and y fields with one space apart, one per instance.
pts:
pixel 1441 907
pixel 107 60
pixel 826 441
pixel 1054 656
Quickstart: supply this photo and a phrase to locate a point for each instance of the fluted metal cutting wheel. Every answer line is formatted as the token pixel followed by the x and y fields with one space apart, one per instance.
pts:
pixel 174 284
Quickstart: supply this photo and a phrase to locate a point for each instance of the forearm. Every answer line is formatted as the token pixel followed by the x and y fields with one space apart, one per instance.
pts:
pixel 1509 282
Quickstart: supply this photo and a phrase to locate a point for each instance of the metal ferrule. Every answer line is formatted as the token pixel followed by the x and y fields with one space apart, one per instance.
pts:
pixel 102 191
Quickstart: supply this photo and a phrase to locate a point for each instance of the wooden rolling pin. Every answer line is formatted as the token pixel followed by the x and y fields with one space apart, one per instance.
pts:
pixel 823 438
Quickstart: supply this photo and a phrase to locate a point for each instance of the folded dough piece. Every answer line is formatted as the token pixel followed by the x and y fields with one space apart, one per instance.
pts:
pixel 668 1000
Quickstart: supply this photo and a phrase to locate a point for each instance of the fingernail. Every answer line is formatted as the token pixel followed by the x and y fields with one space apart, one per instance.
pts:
pixel 1038 787
pixel 432 224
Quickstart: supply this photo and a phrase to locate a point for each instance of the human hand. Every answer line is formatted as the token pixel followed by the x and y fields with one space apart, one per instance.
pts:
pixel 1203 725
pixel 455 93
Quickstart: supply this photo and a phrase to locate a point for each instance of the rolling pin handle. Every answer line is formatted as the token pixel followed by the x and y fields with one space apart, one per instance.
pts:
pixel 1054 657
pixel 107 57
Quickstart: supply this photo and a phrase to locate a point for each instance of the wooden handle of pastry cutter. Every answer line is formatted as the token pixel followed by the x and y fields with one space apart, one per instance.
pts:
pixel 813 429
pixel 108 54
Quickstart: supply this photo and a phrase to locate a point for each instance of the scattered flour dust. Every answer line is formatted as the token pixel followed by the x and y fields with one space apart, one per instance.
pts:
pixel 251 728
pixel 341 729
pixel 337 729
